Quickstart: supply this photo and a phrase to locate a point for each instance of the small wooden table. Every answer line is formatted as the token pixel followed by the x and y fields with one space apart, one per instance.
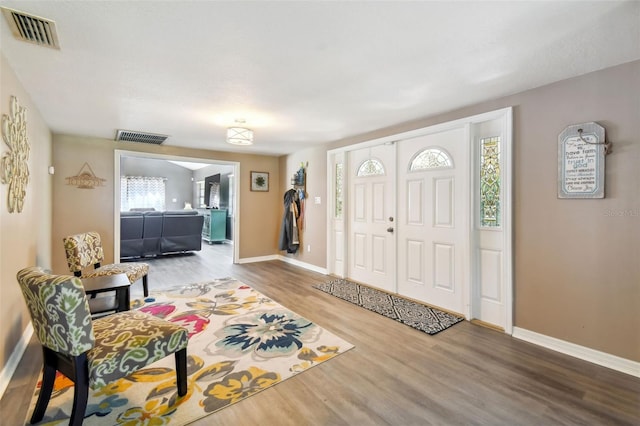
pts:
pixel 118 283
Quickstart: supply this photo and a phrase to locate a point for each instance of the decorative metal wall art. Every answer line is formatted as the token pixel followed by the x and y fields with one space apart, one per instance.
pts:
pixel 14 168
pixel 85 179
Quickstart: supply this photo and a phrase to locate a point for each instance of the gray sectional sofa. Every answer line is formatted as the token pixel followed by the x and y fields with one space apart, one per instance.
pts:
pixel 153 233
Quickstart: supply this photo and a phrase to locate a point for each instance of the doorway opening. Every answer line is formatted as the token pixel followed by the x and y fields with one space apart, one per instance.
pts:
pixel 190 185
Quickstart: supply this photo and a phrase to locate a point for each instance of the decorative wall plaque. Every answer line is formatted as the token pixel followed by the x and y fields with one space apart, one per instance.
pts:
pixel 85 179
pixel 14 167
pixel 260 181
pixel 581 152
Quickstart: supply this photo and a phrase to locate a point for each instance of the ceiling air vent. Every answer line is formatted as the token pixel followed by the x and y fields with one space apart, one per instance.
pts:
pixel 142 137
pixel 32 29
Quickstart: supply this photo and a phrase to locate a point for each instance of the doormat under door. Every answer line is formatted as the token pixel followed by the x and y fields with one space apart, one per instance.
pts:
pixel 408 312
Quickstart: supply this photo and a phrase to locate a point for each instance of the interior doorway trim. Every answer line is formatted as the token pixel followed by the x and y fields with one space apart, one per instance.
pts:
pixel 118 154
pixel 334 245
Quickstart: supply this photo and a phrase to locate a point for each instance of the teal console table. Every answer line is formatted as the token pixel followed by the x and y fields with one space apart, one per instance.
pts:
pixel 214 228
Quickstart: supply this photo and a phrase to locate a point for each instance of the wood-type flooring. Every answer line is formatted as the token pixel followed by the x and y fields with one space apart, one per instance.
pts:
pixel 395 375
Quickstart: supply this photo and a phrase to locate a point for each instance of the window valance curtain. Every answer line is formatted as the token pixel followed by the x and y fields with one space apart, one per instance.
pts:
pixel 142 192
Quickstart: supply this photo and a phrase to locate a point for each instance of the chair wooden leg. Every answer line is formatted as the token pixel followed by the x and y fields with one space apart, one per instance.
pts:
pixel 181 371
pixel 144 286
pixel 80 397
pixel 48 378
pixel 81 390
pixel 123 299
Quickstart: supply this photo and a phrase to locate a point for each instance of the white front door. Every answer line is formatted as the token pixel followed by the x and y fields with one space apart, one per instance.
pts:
pixel 433 215
pixel 371 242
pixel 450 244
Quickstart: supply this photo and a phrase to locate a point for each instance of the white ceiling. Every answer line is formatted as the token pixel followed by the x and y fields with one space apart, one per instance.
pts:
pixel 189 165
pixel 301 73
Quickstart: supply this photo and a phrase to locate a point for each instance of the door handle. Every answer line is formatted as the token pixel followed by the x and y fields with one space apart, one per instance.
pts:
pixel 390 229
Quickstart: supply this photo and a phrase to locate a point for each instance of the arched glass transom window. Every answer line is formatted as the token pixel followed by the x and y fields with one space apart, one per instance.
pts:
pixel 431 158
pixel 371 167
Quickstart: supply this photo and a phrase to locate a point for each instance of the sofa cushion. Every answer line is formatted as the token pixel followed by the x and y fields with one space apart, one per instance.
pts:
pixel 131 233
pixel 130 214
pixel 181 213
pixel 180 233
pixel 152 233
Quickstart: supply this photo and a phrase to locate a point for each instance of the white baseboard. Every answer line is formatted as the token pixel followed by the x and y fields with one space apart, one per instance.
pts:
pixel 286 259
pixel 587 354
pixel 258 259
pixel 304 265
pixel 14 359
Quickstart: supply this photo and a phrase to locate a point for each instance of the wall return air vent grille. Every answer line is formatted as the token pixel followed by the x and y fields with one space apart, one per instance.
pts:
pixel 142 137
pixel 32 29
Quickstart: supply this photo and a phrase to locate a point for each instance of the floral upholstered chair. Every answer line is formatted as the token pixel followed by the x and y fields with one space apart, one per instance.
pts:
pixel 84 250
pixel 93 353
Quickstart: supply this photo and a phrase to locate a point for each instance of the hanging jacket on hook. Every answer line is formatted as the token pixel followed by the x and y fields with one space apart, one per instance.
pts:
pixel 289 236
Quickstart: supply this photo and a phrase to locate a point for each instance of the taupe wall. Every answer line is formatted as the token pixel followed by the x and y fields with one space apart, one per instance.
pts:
pixel 314 220
pixel 577 262
pixel 77 210
pixel 577 268
pixel 25 238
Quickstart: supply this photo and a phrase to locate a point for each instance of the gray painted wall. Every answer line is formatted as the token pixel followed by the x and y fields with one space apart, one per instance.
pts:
pixel 179 184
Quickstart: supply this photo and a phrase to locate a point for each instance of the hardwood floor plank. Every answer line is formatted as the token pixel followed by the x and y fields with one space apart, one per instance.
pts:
pixel 395 375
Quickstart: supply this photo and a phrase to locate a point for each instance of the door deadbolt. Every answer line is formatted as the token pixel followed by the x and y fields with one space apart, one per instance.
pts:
pixel 390 218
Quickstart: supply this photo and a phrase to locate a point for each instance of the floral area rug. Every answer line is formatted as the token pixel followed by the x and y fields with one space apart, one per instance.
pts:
pixel 413 314
pixel 241 342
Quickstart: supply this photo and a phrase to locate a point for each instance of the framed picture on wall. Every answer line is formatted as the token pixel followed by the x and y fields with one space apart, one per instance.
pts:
pixel 260 181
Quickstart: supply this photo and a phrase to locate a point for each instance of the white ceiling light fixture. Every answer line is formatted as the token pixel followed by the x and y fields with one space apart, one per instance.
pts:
pixel 239 135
